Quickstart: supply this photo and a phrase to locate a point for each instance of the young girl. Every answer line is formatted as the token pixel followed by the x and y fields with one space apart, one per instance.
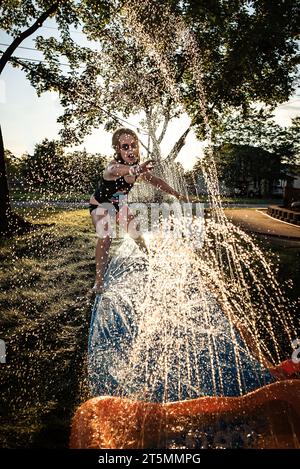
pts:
pixel 108 200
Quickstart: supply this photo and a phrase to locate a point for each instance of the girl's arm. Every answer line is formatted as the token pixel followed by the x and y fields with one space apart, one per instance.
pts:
pixel 116 170
pixel 161 184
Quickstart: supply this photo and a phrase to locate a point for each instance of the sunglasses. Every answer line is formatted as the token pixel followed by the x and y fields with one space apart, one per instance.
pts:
pixel 126 147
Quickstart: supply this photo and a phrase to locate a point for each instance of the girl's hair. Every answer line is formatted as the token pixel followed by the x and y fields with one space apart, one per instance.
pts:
pixel 116 144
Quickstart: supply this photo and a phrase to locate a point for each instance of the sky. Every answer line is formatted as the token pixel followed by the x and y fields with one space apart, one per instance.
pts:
pixel 27 119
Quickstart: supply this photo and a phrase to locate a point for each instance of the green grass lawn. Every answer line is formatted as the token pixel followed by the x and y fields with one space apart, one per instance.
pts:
pixel 45 302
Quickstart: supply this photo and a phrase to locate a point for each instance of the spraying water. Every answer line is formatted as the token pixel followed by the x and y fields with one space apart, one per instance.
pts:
pixel 191 322
pixel 202 317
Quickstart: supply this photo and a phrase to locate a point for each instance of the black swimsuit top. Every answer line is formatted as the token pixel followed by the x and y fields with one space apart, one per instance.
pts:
pixel 110 191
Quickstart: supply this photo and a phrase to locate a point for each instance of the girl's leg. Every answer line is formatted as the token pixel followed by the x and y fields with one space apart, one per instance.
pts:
pixel 101 221
pixel 129 223
pixel 102 250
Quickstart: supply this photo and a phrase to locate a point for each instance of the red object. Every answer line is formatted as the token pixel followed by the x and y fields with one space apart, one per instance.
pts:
pixel 271 414
pixel 286 370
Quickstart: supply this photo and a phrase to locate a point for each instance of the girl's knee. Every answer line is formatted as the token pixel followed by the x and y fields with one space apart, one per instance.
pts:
pixel 104 228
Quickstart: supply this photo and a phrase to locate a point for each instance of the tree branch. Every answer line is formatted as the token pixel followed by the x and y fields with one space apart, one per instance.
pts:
pixel 165 125
pixel 155 143
pixel 178 145
pixel 145 146
pixel 18 40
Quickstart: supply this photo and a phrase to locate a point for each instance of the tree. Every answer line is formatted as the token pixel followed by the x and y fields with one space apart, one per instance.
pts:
pixel 159 54
pixel 294 132
pixel 121 65
pixel 13 165
pixel 110 88
pixel 83 171
pixel 216 58
pixel 21 20
pixel 211 57
pixel 49 170
pixel 239 165
pixel 258 128
pixel 13 18
pixel 46 167
pixel 234 53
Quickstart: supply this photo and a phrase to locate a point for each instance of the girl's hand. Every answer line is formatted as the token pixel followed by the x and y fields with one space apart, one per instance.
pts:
pixel 145 167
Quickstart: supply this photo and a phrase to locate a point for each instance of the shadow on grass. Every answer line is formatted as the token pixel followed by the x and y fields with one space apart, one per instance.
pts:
pixel 45 304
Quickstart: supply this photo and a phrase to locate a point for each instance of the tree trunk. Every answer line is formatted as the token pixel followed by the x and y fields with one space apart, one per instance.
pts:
pixel 6 216
pixel 178 145
pixel 19 39
pixel 10 222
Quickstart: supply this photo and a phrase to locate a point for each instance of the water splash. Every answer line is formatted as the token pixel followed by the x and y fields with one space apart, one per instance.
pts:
pixel 187 347
pixel 193 322
pixel 239 273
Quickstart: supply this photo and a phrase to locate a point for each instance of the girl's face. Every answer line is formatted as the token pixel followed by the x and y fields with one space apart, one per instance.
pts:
pixel 129 149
